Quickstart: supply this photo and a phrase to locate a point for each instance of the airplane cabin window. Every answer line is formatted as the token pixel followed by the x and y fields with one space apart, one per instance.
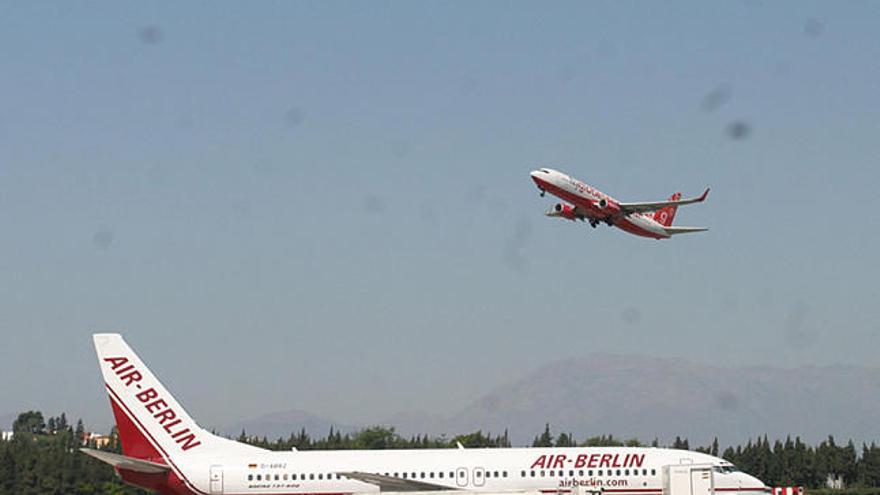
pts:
pixel 571 472
pixel 250 477
pixel 618 472
pixel 504 473
pixel 653 472
pixel 440 474
pixel 626 472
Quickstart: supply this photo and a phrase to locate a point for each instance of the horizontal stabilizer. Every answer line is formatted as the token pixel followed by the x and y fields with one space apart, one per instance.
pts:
pixel 127 463
pixel 392 484
pixel 684 230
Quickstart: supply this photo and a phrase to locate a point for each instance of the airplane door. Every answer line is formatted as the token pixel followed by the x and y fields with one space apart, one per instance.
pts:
pixel 702 482
pixel 461 476
pixel 479 476
pixel 216 479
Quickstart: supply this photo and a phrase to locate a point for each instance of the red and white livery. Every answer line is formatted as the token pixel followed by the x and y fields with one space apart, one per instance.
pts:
pixel 164 450
pixel 646 219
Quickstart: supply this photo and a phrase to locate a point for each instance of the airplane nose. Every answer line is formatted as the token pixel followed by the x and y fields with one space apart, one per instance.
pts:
pixel 537 176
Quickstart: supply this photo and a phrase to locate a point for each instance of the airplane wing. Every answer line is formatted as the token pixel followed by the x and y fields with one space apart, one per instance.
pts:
pixel 127 463
pixel 656 205
pixel 684 230
pixel 392 484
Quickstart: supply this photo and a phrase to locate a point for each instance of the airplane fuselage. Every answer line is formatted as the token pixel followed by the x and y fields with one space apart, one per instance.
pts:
pixel 589 202
pixel 612 470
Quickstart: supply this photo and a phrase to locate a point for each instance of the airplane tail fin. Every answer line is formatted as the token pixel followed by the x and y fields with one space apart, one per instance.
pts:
pixel 664 216
pixel 152 425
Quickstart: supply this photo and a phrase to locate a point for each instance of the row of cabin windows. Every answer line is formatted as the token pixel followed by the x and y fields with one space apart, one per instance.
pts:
pixel 478 474
pixel 330 476
pixel 625 472
pixel 285 477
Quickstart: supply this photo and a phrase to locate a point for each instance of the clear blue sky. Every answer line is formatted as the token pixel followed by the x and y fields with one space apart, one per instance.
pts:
pixel 327 205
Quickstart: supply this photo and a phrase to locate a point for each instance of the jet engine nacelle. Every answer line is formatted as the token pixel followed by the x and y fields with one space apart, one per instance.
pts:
pixel 563 210
pixel 610 208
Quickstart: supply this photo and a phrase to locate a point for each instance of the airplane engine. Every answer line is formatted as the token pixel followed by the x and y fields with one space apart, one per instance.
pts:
pixel 610 208
pixel 564 211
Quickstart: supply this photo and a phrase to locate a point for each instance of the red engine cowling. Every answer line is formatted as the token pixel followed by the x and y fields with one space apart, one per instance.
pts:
pixel 608 207
pixel 563 210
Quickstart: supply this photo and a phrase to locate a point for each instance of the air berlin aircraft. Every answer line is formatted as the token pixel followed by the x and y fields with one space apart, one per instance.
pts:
pixel 164 450
pixel 649 219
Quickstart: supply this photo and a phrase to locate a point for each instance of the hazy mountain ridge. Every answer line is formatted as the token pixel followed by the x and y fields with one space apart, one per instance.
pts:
pixel 636 396
pixel 282 424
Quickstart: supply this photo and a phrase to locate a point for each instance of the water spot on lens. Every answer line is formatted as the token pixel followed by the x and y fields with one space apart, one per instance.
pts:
pixel 294 117
pixel 150 35
pixel 798 333
pixel 374 204
pixel 567 73
pixel 631 316
pixel 515 244
pixel 738 130
pixel 715 99
pixel 727 401
pixel 103 238
pixel 813 28
pixel 400 148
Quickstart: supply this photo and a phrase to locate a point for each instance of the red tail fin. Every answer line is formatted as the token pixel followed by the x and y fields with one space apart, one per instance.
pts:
pixel 664 216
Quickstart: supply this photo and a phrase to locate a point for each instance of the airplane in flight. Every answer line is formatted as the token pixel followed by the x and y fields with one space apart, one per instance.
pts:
pixel 647 219
pixel 165 451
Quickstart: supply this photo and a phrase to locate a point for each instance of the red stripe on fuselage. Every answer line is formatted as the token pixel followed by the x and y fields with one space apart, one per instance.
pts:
pixel 588 208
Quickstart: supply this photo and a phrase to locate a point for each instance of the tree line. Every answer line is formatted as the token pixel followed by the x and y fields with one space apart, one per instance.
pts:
pixel 42 457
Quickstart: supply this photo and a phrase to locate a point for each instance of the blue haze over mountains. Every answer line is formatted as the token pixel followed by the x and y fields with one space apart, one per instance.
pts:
pixel 644 398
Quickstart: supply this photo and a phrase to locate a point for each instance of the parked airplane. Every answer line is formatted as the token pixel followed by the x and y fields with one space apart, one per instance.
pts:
pixel 649 219
pixel 164 450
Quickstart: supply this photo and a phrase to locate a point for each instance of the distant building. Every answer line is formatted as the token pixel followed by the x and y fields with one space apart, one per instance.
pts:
pixel 6 435
pixel 96 439
pixel 834 482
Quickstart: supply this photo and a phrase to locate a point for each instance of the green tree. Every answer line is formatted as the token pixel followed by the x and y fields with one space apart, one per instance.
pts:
pixel 544 439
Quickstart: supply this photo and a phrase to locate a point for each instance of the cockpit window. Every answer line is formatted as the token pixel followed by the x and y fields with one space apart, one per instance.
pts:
pixel 726 469
pixel 545 171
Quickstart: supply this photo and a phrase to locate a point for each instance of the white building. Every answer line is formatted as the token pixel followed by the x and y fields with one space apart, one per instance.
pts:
pixel 834 482
pixel 6 435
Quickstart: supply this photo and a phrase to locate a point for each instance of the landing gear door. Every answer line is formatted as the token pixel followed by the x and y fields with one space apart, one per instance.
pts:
pixel 216 480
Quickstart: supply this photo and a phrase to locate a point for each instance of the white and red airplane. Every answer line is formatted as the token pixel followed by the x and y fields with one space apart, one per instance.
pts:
pixel 648 219
pixel 164 450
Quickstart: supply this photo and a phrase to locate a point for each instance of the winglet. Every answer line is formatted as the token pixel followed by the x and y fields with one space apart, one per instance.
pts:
pixel 703 197
pixel 459 445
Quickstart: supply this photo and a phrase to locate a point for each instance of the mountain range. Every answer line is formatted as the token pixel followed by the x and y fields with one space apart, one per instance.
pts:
pixel 646 398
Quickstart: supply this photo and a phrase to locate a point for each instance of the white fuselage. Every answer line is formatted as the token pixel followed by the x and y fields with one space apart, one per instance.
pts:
pixel 620 470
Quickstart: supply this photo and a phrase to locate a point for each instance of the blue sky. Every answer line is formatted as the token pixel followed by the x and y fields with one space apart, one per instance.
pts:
pixel 327 205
